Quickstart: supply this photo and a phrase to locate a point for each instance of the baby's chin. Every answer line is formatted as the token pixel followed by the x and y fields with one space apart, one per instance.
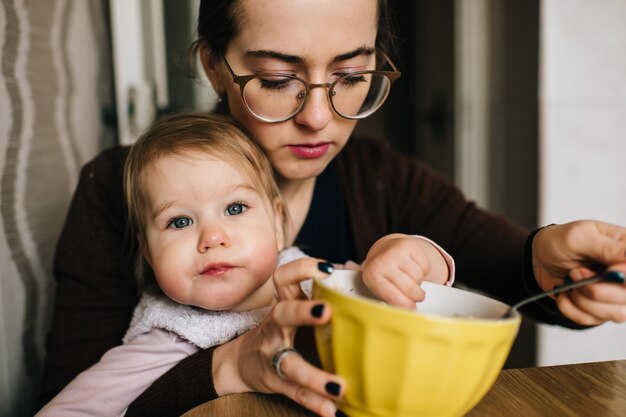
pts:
pixel 262 297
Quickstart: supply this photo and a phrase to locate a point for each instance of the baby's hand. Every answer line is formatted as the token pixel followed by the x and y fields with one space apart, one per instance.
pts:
pixel 397 264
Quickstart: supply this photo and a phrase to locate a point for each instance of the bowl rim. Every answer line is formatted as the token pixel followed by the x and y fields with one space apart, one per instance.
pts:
pixel 515 317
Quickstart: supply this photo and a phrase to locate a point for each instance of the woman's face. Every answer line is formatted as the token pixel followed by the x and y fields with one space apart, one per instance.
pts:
pixel 317 41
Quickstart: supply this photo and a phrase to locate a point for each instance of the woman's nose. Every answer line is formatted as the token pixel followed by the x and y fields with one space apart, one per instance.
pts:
pixel 317 112
pixel 212 236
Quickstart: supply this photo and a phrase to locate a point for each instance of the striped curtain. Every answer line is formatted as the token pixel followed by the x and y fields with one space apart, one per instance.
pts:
pixel 55 83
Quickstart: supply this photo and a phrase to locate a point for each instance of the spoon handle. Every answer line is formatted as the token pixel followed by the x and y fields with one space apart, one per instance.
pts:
pixel 609 276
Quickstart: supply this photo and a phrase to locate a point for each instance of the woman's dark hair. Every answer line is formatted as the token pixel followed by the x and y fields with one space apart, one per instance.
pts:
pixel 220 20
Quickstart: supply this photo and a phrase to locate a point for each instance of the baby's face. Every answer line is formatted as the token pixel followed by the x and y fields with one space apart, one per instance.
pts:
pixel 211 235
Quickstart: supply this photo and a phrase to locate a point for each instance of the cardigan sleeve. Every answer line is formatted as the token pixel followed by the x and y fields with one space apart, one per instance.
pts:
pixel 187 385
pixel 95 290
pixel 387 192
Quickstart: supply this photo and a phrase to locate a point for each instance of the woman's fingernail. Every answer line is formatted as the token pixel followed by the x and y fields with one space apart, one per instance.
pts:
pixel 333 388
pixel 325 267
pixel 614 276
pixel 317 310
pixel 340 413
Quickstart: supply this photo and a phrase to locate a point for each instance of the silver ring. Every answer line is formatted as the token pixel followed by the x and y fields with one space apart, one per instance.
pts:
pixel 279 356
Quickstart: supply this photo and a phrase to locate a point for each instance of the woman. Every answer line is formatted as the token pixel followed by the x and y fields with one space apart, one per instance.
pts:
pixel 342 194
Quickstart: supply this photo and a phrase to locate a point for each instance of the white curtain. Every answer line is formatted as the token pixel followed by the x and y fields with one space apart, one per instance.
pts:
pixel 55 84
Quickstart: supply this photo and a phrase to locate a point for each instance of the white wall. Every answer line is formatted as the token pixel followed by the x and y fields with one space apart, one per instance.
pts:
pixel 582 143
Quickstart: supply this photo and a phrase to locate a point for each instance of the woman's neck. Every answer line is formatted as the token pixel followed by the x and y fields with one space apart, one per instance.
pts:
pixel 297 196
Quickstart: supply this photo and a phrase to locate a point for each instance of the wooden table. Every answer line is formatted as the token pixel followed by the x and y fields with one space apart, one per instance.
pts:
pixel 590 389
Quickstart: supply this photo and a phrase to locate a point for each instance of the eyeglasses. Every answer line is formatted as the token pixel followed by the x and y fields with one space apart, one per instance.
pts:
pixel 275 97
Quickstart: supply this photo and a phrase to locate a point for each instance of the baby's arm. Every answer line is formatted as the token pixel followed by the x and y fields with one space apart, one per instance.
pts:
pixel 122 374
pixel 397 264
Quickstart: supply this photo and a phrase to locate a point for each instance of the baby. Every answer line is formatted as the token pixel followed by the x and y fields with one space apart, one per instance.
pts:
pixel 208 223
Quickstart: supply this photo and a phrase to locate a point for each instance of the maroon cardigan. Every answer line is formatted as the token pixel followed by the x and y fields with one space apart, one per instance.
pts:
pixel 384 192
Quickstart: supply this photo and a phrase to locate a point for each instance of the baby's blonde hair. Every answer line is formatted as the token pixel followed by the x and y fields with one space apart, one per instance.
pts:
pixel 183 134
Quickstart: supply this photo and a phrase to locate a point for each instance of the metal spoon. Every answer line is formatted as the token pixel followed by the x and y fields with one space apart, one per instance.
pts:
pixel 609 276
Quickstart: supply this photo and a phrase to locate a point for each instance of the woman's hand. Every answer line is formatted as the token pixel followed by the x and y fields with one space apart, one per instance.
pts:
pixel 579 250
pixel 245 363
pixel 397 264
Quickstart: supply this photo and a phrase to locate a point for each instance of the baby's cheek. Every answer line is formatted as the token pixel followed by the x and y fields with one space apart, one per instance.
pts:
pixel 266 264
pixel 170 283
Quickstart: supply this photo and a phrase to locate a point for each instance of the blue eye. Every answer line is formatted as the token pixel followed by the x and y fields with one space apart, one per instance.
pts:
pixel 179 223
pixel 235 209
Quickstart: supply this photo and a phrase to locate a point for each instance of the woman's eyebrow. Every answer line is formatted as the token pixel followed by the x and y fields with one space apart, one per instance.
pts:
pixel 291 59
pixel 295 59
pixel 363 50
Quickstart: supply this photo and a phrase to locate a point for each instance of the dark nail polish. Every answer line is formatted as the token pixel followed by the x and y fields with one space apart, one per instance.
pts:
pixel 325 267
pixel 333 388
pixel 317 310
pixel 340 413
pixel 614 276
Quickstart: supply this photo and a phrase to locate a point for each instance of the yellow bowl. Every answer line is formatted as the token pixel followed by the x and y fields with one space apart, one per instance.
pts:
pixel 437 362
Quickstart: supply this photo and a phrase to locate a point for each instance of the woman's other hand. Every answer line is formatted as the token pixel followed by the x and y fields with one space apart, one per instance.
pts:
pixel 397 264
pixel 580 250
pixel 245 364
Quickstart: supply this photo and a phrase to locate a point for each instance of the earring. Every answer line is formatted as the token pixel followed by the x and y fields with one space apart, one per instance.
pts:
pixel 219 99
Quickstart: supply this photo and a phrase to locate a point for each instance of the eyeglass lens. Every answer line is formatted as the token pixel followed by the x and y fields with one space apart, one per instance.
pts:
pixel 277 97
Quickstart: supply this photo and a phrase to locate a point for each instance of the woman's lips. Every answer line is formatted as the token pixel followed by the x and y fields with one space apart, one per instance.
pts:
pixel 216 269
pixel 310 151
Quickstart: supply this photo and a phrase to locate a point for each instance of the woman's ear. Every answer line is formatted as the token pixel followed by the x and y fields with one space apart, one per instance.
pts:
pixel 211 69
